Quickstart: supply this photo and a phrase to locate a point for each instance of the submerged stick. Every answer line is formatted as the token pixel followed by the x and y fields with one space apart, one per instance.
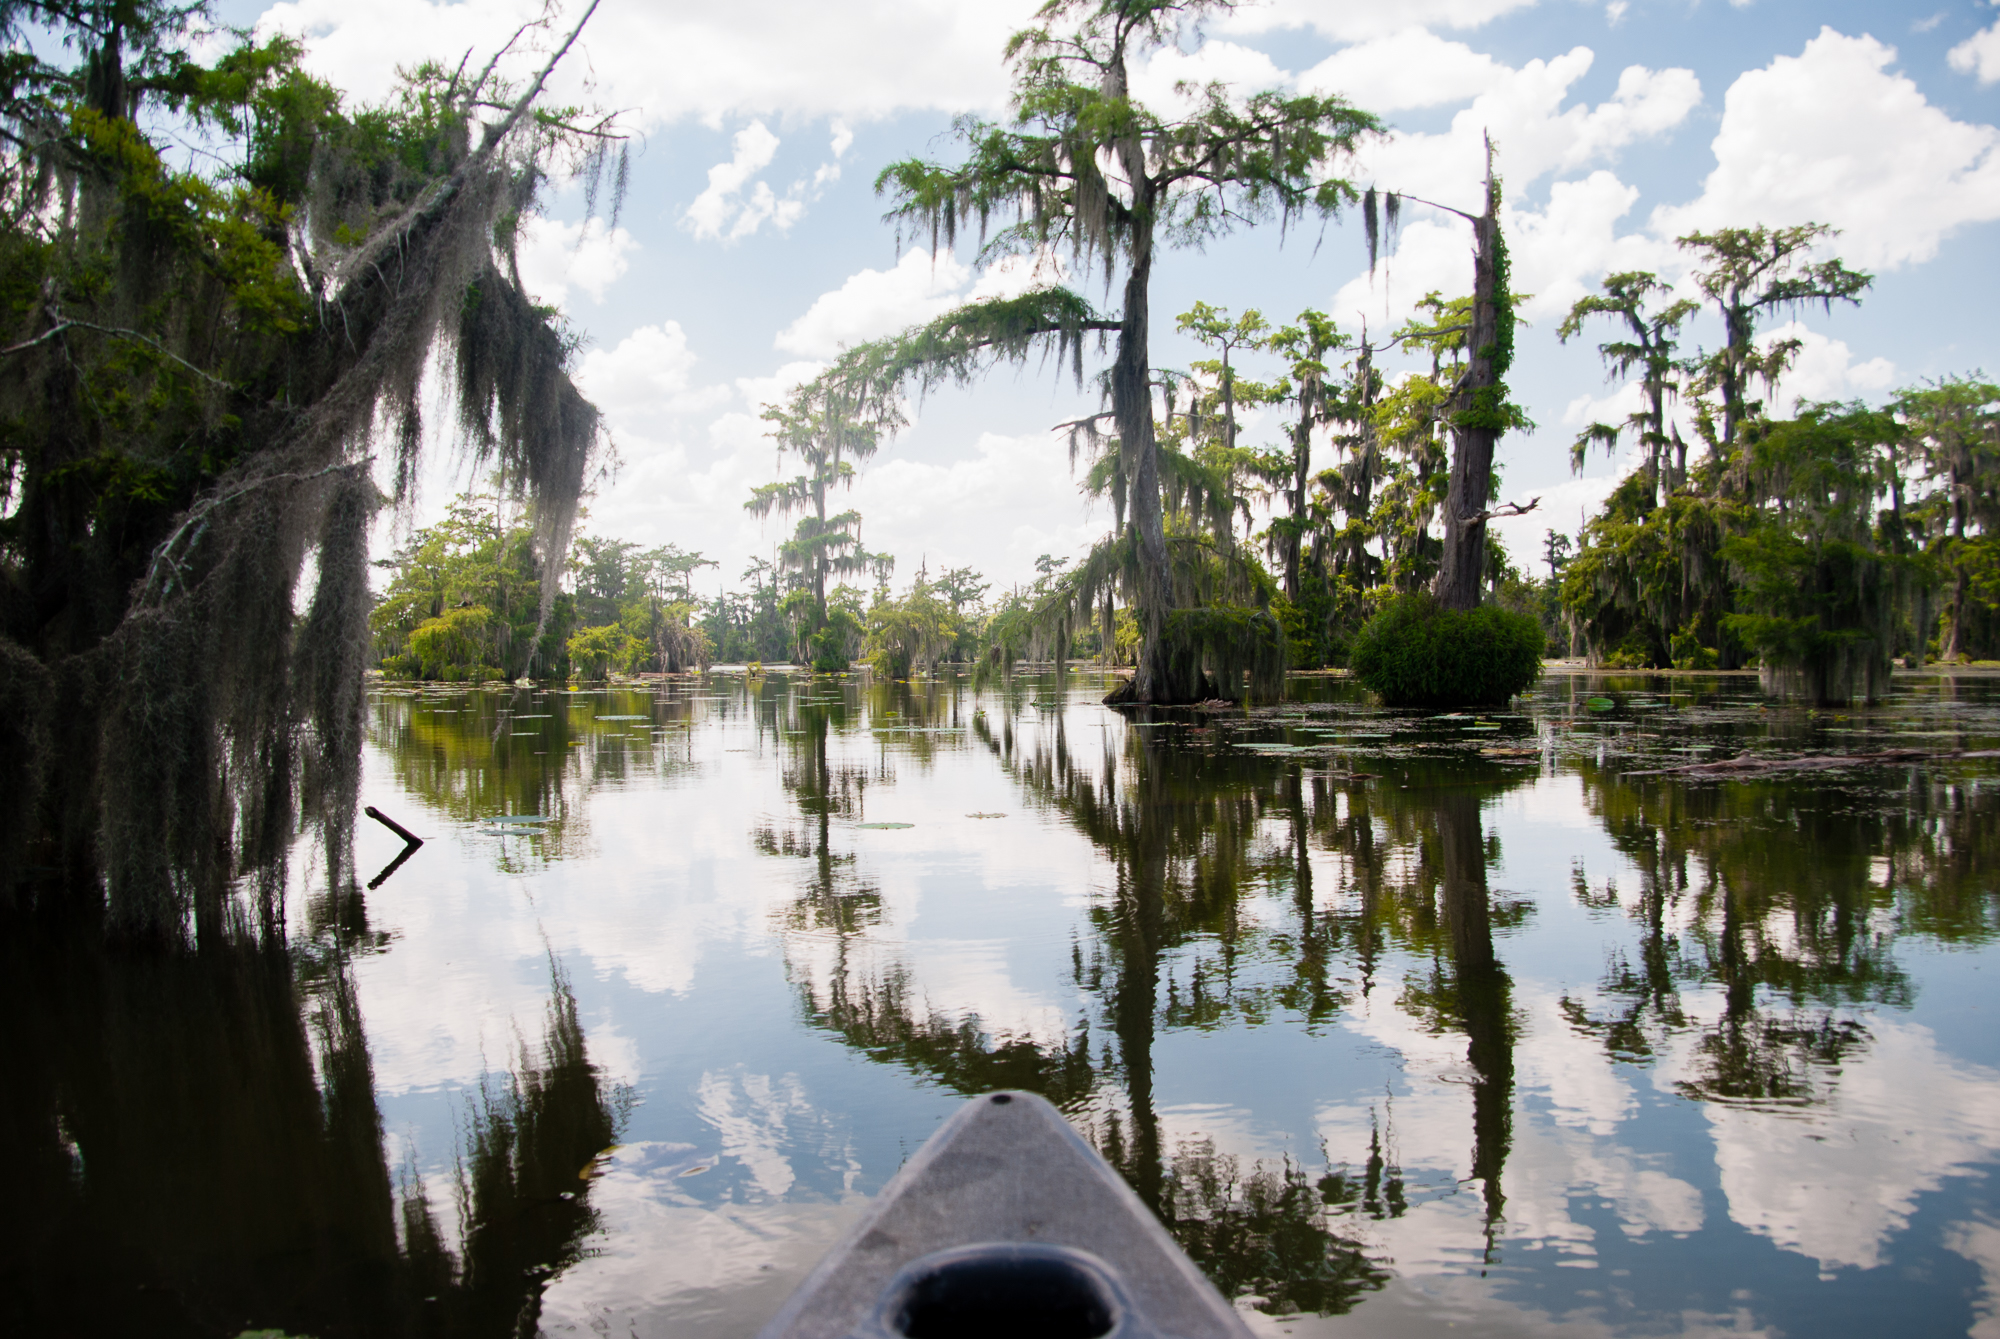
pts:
pixel 408 836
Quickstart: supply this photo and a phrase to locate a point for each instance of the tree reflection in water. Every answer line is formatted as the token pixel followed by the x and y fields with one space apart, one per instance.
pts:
pixel 1793 946
pixel 193 1147
pixel 1191 834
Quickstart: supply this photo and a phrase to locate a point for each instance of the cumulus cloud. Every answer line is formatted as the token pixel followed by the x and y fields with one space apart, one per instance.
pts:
pixel 863 60
pixel 645 377
pixel 1824 369
pixel 1011 501
pixel 1344 21
pixel 1833 136
pixel 1523 111
pixel 876 302
pixel 922 285
pixel 1559 250
pixel 829 171
pixel 1559 253
pixel 1411 68
pixel 1242 68
pixel 725 210
pixel 1978 54
pixel 556 255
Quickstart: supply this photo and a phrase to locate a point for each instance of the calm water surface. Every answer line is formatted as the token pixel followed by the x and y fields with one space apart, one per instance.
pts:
pixel 1404 1022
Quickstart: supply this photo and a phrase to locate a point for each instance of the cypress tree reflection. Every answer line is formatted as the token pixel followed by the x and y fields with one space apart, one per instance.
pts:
pixel 1795 945
pixel 193 1147
pixel 1183 831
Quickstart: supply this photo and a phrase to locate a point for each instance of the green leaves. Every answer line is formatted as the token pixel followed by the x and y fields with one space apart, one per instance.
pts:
pixel 1750 273
pixel 1087 169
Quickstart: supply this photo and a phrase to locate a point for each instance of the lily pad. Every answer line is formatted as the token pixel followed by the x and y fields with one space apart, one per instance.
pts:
pixel 624 718
pixel 1600 703
pixel 986 815
pixel 885 825
pixel 518 818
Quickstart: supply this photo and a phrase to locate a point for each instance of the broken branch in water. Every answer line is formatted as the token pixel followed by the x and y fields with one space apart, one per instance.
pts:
pixel 408 836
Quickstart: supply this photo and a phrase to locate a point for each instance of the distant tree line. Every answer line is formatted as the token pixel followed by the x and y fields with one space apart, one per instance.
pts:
pixel 1820 546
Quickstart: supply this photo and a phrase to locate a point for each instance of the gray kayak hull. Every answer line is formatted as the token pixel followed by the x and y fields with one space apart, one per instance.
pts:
pixel 1007 1170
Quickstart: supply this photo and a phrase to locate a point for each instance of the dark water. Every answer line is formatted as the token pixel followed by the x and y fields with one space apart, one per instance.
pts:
pixel 1404 1023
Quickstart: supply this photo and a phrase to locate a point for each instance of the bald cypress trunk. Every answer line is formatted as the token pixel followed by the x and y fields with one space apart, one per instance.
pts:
pixel 1132 406
pixel 1477 426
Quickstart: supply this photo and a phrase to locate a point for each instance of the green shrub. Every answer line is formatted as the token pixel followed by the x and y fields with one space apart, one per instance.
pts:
pixel 1690 654
pixel 1415 654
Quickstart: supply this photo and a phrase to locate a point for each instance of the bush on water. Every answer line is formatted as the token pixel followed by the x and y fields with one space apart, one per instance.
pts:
pixel 1416 653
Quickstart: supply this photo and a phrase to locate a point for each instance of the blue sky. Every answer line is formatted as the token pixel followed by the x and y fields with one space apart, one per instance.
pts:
pixel 751 244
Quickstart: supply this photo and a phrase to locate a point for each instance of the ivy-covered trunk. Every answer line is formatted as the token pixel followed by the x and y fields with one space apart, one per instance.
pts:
pixel 1480 420
pixel 1132 404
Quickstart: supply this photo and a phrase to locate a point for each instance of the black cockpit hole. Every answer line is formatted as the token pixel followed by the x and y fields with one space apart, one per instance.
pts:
pixel 996 1296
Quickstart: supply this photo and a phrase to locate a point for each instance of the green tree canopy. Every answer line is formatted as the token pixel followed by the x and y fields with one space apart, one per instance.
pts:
pixel 1084 169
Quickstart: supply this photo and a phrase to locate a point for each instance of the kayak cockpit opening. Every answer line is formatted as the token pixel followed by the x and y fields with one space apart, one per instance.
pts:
pixel 1003 1289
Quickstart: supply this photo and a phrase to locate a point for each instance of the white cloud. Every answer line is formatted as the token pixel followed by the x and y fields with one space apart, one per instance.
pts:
pixel 862 60
pixel 1535 134
pixel 1831 136
pixel 829 172
pixel 1614 408
pixel 721 209
pixel 922 285
pixel 1823 370
pixel 646 376
pixel 1344 21
pixel 1978 54
pixel 764 206
pixel 1411 68
pixel 760 391
pixel 1559 252
pixel 1434 253
pixel 1246 70
pixel 555 255
pixel 1563 508
pixel 876 302
pixel 1011 501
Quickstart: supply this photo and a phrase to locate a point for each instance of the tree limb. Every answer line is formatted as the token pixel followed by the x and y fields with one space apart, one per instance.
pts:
pixel 1507 509
pixel 67 323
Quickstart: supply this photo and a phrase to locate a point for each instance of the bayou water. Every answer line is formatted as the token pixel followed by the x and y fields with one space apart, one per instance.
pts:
pixel 1404 1022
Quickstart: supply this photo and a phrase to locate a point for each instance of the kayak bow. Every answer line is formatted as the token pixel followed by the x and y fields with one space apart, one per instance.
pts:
pixel 1006 1223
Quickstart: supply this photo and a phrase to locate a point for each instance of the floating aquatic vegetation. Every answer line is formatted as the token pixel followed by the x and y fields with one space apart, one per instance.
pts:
pixel 885 825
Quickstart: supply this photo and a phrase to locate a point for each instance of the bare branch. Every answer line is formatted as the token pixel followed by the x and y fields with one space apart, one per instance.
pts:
pixel 197 515
pixel 119 332
pixel 1506 509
